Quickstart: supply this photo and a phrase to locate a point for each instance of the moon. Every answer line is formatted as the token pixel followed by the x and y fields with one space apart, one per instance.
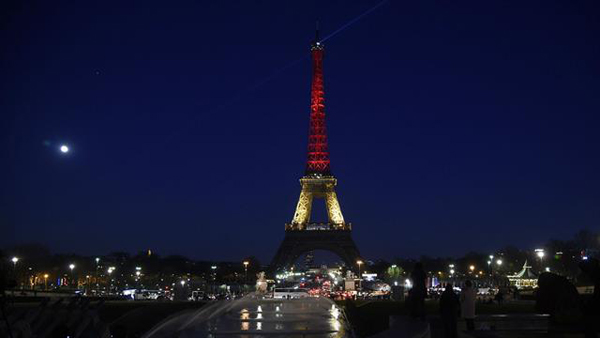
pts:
pixel 64 149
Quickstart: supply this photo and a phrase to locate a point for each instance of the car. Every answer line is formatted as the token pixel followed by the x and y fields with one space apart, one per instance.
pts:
pixel 290 293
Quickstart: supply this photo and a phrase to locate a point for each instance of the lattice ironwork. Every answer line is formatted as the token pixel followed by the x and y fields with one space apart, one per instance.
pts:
pixel 302 236
pixel 318 153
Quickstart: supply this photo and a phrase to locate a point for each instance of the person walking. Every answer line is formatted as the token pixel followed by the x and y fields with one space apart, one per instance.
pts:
pixel 468 295
pixel 449 311
pixel 418 292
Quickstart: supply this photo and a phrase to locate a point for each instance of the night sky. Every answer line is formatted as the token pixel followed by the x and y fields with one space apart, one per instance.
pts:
pixel 453 126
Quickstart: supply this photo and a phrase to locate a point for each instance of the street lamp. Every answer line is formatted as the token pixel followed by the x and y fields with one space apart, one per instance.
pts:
pixel 246 270
pixel 71 267
pixel 472 268
pixel 451 269
pixel 540 253
pixel 15 260
pixel 97 274
pixel 45 281
pixel 359 262
pixel 110 271
pixel 499 262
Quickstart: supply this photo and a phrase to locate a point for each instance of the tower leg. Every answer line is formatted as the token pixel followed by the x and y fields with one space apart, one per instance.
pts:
pixel 334 211
pixel 302 214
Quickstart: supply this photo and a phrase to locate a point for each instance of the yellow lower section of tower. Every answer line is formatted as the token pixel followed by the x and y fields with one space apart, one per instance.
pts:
pixel 317 188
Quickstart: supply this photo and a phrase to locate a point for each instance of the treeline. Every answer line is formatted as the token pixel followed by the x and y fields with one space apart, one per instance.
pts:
pixel 559 256
pixel 36 259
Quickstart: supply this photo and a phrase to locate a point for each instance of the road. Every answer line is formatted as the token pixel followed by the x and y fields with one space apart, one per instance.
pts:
pixel 255 316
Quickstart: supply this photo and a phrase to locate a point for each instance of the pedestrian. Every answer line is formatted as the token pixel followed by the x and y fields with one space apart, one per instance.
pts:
pixel 418 292
pixel 449 304
pixel 468 295
pixel 499 297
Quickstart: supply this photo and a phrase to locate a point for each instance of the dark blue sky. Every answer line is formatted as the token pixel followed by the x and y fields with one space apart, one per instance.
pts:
pixel 453 126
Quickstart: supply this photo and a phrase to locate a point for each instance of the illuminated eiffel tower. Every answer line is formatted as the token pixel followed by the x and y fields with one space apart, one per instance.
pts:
pixel 302 236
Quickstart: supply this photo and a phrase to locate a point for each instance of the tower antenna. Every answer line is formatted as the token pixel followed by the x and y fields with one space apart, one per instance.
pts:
pixel 317 31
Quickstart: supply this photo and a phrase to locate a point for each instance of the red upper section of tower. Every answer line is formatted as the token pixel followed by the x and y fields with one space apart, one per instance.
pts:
pixel 318 154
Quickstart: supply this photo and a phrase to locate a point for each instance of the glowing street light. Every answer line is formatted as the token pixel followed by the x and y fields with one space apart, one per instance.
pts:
pixel 499 262
pixel 246 263
pixel 540 253
pixel 182 283
pixel 46 281
pixel 472 268
pixel 14 260
pixel 71 267
pixel 451 269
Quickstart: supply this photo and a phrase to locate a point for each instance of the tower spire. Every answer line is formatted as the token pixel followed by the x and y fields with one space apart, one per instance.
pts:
pixel 318 154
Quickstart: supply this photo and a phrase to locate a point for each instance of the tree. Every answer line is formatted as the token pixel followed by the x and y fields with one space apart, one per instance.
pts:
pixel 394 274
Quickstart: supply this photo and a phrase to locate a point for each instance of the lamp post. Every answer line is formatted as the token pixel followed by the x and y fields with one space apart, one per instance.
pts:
pixel 45 281
pixel 491 268
pixel 15 260
pixel 359 262
pixel 214 278
pixel 110 271
pixel 97 274
pixel 87 284
pixel 499 263
pixel 71 267
pixel 138 273
pixel 246 263
pixel 540 253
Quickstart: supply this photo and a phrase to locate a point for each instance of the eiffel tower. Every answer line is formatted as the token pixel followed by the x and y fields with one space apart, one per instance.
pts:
pixel 302 236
